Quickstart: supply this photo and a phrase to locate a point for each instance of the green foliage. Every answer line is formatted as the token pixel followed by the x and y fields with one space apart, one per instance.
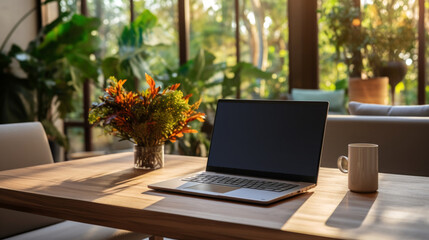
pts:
pixel 196 77
pixel 342 20
pixel 15 105
pixel 130 60
pixel 387 33
pixel 195 144
pixel 341 84
pixel 242 73
pixel 56 62
pixel 391 31
pixel 132 36
pixel 14 93
pixel 213 30
pixel 202 78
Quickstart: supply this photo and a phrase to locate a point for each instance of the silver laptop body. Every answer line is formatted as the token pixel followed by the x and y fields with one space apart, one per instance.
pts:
pixel 261 151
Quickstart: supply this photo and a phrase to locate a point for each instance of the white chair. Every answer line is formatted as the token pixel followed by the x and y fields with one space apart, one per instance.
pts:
pixel 24 145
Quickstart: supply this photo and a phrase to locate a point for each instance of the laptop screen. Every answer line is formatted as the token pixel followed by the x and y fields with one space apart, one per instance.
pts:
pixel 271 139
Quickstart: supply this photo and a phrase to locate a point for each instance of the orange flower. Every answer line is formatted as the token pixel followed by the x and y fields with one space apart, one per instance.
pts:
pixel 146 117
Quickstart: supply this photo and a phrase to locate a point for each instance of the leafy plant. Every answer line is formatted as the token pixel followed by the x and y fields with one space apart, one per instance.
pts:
pixel 345 32
pixel 55 63
pixel 367 40
pixel 196 76
pixel 391 32
pixel 16 90
pixel 147 118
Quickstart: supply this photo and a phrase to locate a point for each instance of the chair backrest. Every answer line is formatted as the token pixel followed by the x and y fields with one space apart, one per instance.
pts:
pixel 22 145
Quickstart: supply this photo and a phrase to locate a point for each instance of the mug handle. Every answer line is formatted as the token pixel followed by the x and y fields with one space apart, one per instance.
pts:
pixel 340 164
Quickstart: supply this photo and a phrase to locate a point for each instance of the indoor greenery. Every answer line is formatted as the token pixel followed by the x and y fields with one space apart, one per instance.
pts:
pixel 130 62
pixel 202 77
pixel 55 64
pixel 345 33
pixel 391 32
pixel 368 39
pixel 148 118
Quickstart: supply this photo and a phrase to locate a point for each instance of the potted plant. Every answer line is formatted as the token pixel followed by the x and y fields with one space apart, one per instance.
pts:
pixel 392 39
pixel 148 118
pixel 368 46
pixel 343 19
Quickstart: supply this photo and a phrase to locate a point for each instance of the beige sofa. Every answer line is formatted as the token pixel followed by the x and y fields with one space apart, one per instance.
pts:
pixel 403 141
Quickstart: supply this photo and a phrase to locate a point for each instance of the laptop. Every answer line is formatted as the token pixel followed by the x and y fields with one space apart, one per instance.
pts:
pixel 261 152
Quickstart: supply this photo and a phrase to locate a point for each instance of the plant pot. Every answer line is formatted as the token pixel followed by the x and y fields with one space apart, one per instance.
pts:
pixel 395 71
pixel 55 150
pixel 148 157
pixel 371 90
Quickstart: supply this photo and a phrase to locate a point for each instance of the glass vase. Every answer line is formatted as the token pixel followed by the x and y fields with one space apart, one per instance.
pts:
pixel 148 157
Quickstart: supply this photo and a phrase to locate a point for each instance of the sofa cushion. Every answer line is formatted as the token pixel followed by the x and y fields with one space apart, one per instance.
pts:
pixel 357 108
pixel 402 141
pixel 335 98
pixel 74 230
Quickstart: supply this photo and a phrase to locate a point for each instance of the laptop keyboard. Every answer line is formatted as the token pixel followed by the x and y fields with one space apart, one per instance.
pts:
pixel 240 182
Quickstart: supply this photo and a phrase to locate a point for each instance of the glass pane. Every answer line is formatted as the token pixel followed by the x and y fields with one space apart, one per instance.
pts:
pixel 380 34
pixel 263 42
pixel 114 15
pixel 331 68
pixel 392 26
pixel 107 143
pixel 164 39
pixel 75 136
pixel 213 29
pixel 77 113
pixel 68 5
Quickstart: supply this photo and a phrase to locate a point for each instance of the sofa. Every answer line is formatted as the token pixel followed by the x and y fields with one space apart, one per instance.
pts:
pixel 403 141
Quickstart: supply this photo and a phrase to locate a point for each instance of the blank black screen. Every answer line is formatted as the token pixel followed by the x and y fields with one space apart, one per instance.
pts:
pixel 277 139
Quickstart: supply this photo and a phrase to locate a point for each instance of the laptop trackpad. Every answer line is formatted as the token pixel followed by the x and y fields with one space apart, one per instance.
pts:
pixel 212 188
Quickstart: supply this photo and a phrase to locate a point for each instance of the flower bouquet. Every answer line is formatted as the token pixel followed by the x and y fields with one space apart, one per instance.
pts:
pixel 148 118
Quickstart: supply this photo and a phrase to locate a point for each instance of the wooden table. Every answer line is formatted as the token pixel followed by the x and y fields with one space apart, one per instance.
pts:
pixel 107 191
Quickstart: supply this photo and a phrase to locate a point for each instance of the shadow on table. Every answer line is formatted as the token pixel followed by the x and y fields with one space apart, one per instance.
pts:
pixel 352 210
pixel 277 213
pixel 97 185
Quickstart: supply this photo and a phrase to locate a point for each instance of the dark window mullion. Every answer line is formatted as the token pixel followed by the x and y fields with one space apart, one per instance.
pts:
pixel 132 14
pixel 86 95
pixel 183 9
pixel 421 68
pixel 237 30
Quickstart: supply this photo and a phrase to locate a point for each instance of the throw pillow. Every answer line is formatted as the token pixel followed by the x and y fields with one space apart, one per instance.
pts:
pixel 357 108
pixel 335 98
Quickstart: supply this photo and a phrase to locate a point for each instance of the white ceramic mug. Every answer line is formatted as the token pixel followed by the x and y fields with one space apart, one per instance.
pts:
pixel 362 162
